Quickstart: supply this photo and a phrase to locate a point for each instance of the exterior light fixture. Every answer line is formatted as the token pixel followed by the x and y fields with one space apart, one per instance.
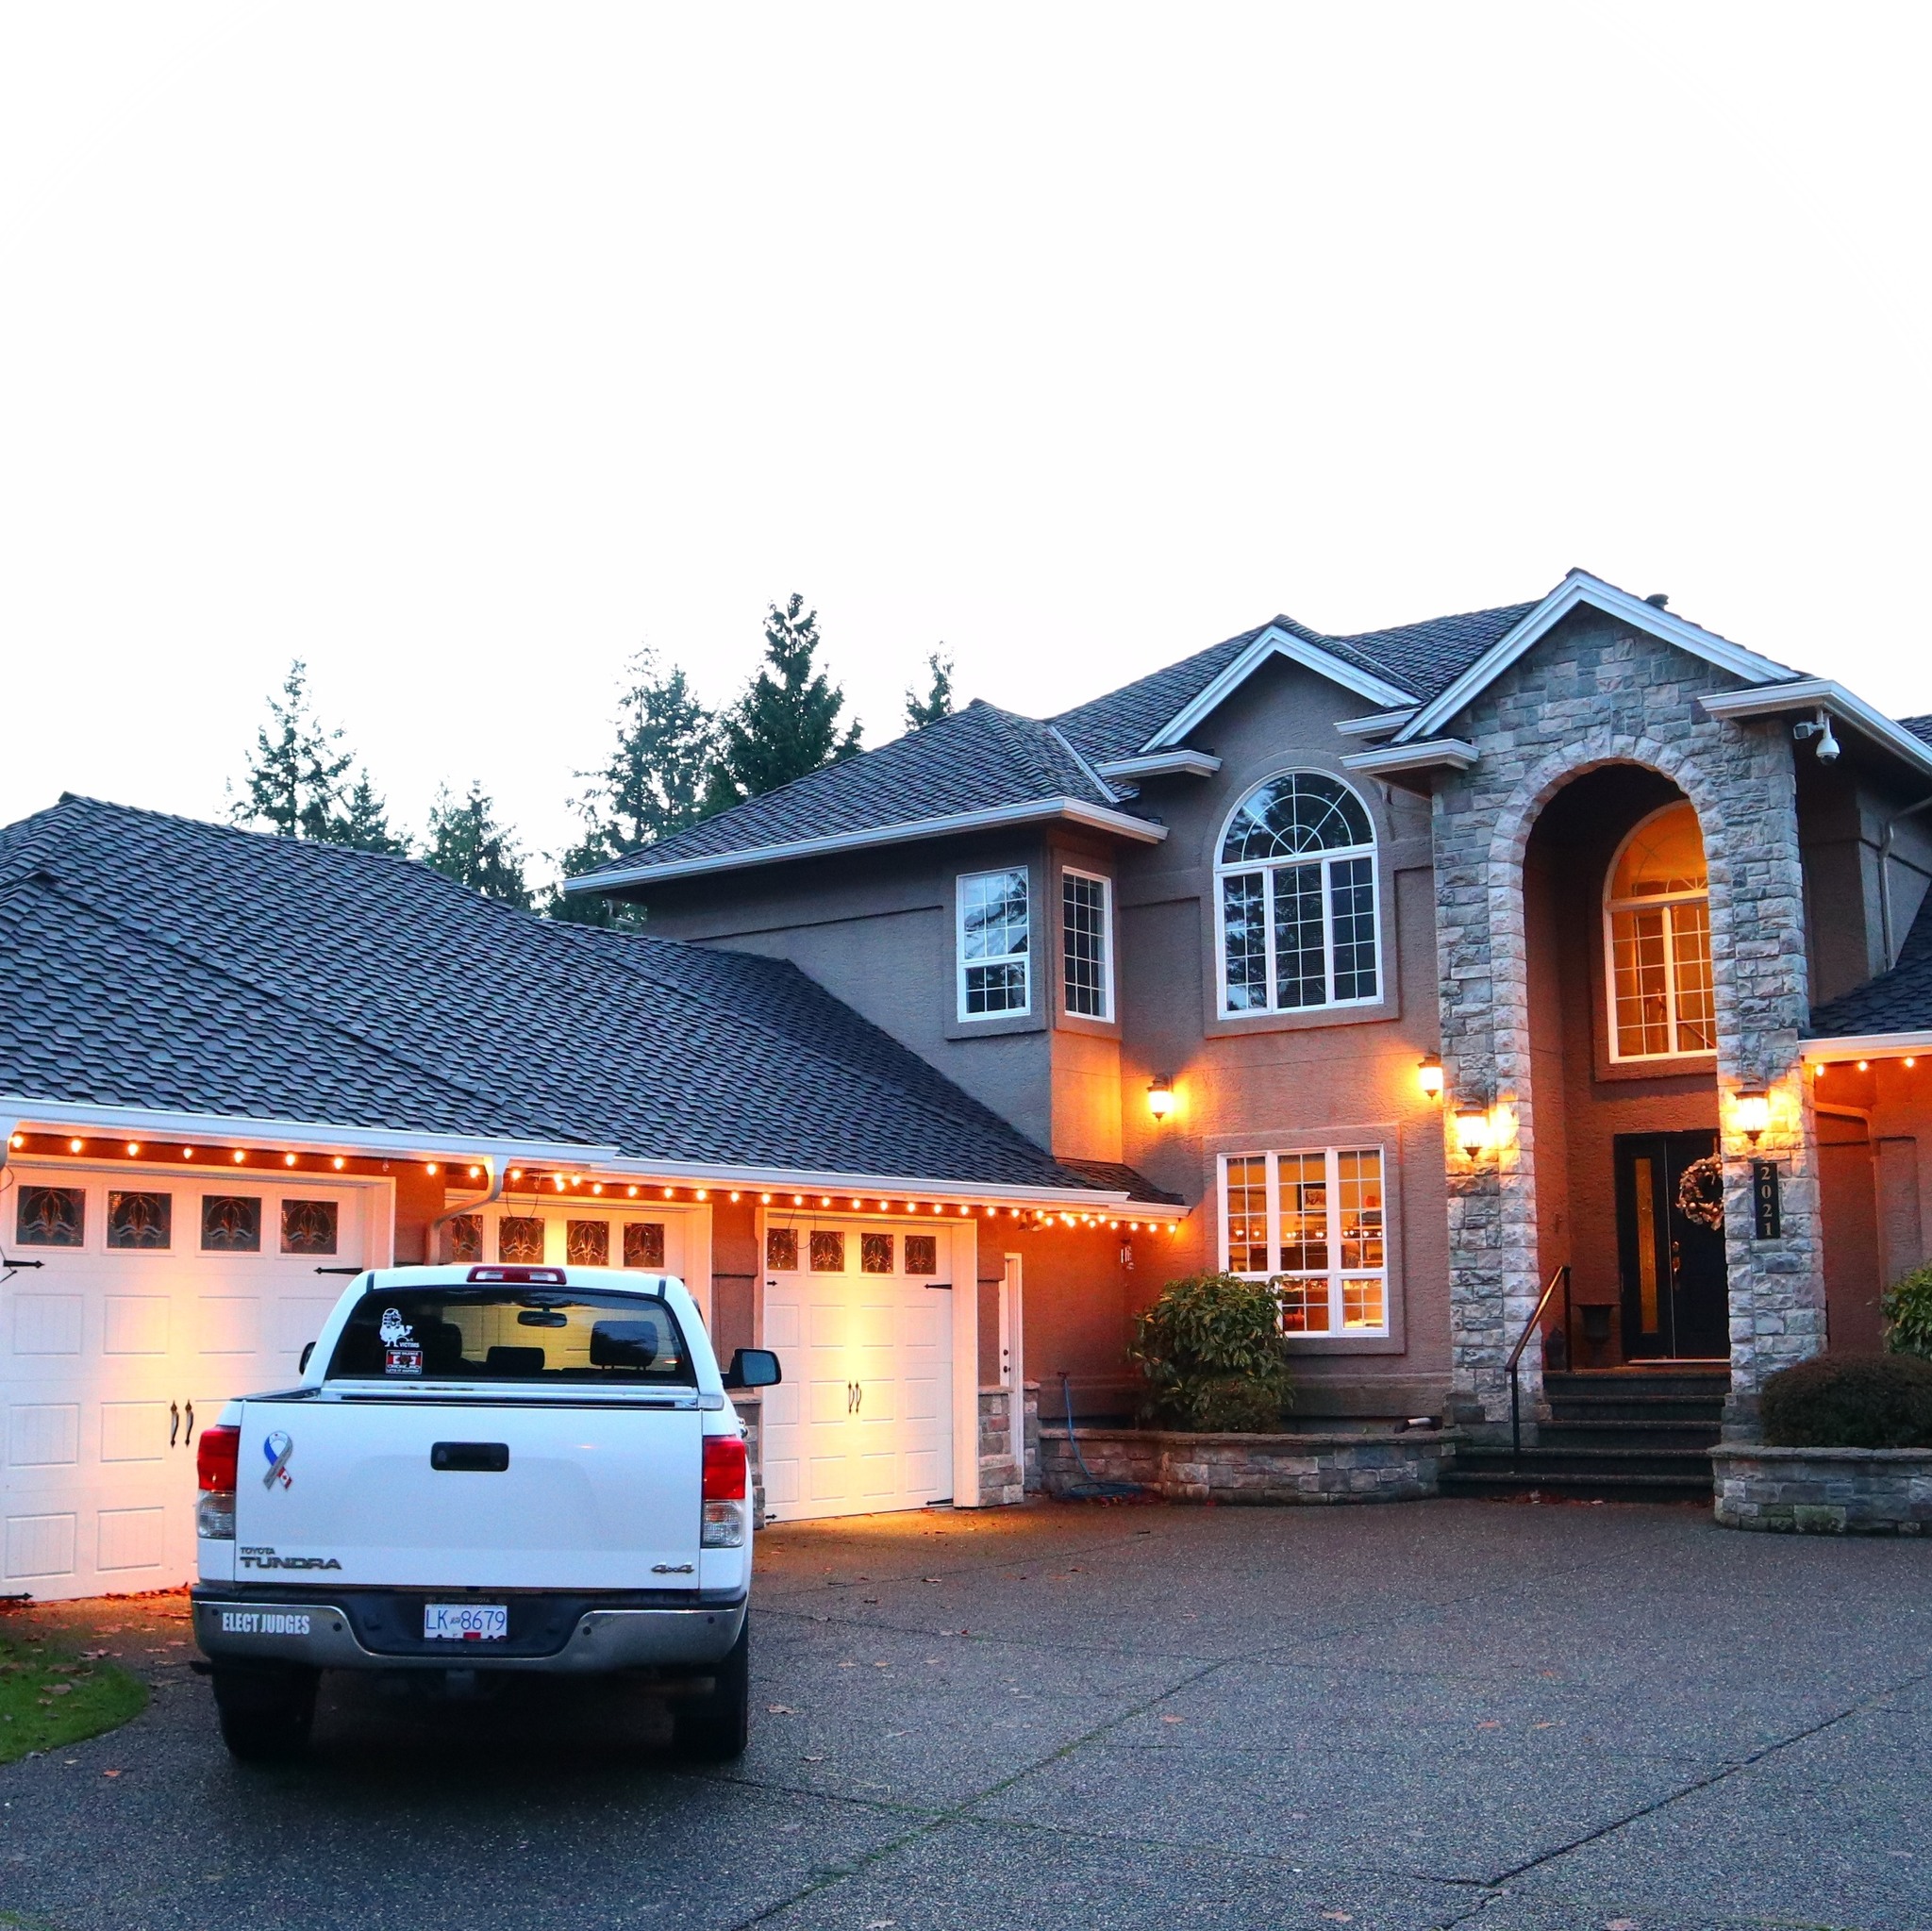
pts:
pixel 1160 1096
pixel 1754 1111
pixel 1473 1129
pixel 1428 1075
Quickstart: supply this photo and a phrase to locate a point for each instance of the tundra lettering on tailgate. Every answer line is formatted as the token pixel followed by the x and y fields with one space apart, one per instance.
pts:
pixel 267 1558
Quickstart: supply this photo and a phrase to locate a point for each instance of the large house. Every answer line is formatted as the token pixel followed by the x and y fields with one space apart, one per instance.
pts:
pixel 1415 970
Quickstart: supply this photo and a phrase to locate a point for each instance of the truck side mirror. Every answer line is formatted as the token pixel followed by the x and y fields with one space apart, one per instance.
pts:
pixel 302 1366
pixel 754 1368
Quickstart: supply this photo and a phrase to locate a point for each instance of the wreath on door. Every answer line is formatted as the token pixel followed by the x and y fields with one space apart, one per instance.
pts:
pixel 1701 1192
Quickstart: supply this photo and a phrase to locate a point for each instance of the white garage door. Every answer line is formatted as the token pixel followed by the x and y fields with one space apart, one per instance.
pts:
pixel 861 1319
pixel 158 1298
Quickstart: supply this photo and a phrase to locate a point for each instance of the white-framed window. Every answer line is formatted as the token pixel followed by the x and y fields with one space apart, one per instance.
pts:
pixel 1312 1220
pixel 995 978
pixel 1295 898
pixel 1087 943
pixel 1656 940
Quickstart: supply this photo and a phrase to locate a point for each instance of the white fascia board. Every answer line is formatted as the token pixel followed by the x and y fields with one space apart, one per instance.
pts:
pixel 1180 763
pixel 1579 587
pixel 117 1122
pixel 1433 754
pixel 1274 643
pixel 873 1185
pixel 1380 726
pixel 1821 693
pixel 1866 1046
pixel 1033 811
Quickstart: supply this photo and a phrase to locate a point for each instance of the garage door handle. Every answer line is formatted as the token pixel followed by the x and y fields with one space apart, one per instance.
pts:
pixel 174 1423
pixel 187 1440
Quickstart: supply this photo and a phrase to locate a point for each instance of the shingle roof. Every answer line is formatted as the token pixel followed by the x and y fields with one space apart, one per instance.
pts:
pixel 1920 728
pixel 159 962
pixel 976 760
pixel 1899 1001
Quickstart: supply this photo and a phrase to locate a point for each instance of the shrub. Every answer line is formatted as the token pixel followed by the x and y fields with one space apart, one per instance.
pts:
pixel 1908 1310
pixel 1212 1353
pixel 1856 1401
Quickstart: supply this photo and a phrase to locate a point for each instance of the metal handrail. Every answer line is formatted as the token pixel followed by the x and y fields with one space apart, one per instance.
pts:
pixel 1561 1277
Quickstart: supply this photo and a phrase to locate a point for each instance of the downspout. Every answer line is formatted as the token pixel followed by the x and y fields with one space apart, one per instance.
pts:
pixel 495 1167
pixel 1892 824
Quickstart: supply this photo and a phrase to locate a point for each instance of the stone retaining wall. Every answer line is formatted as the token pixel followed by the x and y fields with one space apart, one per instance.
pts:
pixel 1825 1491
pixel 1003 1480
pixel 1344 1466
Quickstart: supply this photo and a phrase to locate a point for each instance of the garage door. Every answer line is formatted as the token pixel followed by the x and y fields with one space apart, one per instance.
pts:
pixel 861 1317
pixel 157 1299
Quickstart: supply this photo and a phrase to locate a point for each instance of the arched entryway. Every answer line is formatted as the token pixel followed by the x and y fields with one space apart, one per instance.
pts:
pixel 1623 1049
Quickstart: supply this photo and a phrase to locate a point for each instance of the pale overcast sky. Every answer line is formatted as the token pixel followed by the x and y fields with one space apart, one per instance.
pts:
pixel 461 351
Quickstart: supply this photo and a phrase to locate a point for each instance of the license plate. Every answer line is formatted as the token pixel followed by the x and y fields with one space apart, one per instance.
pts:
pixel 465 1622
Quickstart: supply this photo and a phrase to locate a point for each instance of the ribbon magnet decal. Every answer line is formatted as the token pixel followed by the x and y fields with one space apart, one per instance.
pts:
pixel 278 1448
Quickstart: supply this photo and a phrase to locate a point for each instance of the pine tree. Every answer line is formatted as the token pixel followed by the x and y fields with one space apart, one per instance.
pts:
pixel 466 844
pixel 938 701
pixel 294 781
pixel 363 823
pixel 785 725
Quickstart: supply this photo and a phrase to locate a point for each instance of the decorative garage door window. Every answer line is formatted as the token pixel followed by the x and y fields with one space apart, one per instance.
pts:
pixel 644 1243
pixel 781 1249
pixel 308 1227
pixel 922 1253
pixel 1297 898
pixel 1311 1223
pixel 1657 909
pixel 141 1220
pixel 520 1236
pixel 828 1251
pixel 587 1243
pixel 231 1224
pixel 463 1236
pixel 875 1253
pixel 51 1216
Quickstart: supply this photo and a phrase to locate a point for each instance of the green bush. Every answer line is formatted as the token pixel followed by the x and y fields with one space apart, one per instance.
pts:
pixel 1213 1357
pixel 1856 1401
pixel 1908 1310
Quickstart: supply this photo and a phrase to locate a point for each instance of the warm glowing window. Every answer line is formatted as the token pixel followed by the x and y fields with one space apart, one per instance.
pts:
pixel 1296 891
pixel 1311 1222
pixel 1657 922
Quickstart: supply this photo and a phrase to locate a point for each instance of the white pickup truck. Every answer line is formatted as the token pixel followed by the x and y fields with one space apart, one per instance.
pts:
pixel 485 1469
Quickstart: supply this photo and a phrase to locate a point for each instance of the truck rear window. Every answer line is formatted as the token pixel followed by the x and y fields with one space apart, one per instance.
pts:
pixel 515 1334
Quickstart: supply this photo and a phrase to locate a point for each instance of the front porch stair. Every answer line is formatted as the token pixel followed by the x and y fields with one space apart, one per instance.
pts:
pixel 1634 1434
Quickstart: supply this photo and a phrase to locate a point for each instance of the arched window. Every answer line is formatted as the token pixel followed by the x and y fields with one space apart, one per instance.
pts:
pixel 1296 883
pixel 1657 914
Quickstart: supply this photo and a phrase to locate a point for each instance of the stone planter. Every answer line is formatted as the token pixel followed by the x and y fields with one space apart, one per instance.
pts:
pixel 1347 1465
pixel 1825 1491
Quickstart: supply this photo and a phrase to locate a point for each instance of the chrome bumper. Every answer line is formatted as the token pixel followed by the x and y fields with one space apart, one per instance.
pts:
pixel 320 1635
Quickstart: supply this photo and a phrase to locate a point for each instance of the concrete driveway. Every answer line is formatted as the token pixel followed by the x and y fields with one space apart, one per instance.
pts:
pixel 1529 1718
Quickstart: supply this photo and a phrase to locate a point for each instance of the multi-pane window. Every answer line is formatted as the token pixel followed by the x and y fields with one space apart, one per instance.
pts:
pixel 1656 915
pixel 1086 945
pixel 1311 1222
pixel 993 944
pixel 1296 879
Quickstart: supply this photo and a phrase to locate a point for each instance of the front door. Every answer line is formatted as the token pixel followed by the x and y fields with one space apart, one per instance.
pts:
pixel 1676 1302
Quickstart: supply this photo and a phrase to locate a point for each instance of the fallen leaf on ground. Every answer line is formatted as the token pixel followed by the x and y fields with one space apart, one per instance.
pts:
pixel 781 1710
pixel 1338 1917
pixel 1489 1724
pixel 1173 1719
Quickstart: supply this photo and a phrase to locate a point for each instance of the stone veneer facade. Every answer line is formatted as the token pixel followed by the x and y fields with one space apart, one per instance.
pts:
pixel 1597 692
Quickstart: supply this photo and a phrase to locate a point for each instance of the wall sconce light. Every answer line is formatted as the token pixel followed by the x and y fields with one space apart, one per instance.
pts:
pixel 1428 1075
pixel 1160 1096
pixel 1473 1129
pixel 1753 1111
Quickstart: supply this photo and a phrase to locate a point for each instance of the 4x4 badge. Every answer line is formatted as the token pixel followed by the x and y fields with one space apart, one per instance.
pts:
pixel 278 1448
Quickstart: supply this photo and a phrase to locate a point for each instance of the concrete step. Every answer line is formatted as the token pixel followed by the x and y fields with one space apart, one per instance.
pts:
pixel 1581 1488
pixel 1693 1434
pixel 1681 1470
pixel 1702 1384
pixel 1616 1406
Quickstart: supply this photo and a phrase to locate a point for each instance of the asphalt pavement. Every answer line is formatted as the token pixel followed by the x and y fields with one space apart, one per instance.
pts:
pixel 1527 1717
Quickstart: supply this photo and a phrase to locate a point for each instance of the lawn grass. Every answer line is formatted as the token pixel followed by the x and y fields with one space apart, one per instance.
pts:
pixel 50 1696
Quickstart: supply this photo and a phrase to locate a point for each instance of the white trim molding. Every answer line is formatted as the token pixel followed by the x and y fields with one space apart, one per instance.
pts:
pixel 1865 1046
pixel 1580 587
pixel 1177 763
pixel 1033 811
pixel 1274 641
pixel 1380 723
pixel 1812 694
pixel 1432 753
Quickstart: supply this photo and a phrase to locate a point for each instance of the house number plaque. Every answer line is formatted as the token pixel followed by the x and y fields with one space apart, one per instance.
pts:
pixel 1767 1207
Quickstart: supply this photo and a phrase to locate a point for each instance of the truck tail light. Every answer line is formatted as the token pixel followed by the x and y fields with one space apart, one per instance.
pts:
pixel 217 1458
pixel 724 1468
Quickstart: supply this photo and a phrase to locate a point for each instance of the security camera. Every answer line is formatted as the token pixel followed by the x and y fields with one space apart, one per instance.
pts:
pixel 1821 729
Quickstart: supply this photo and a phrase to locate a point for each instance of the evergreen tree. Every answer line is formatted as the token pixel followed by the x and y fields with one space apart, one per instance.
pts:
pixel 938 701
pixel 652 785
pixel 466 844
pixel 363 823
pixel 785 725
pixel 294 781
